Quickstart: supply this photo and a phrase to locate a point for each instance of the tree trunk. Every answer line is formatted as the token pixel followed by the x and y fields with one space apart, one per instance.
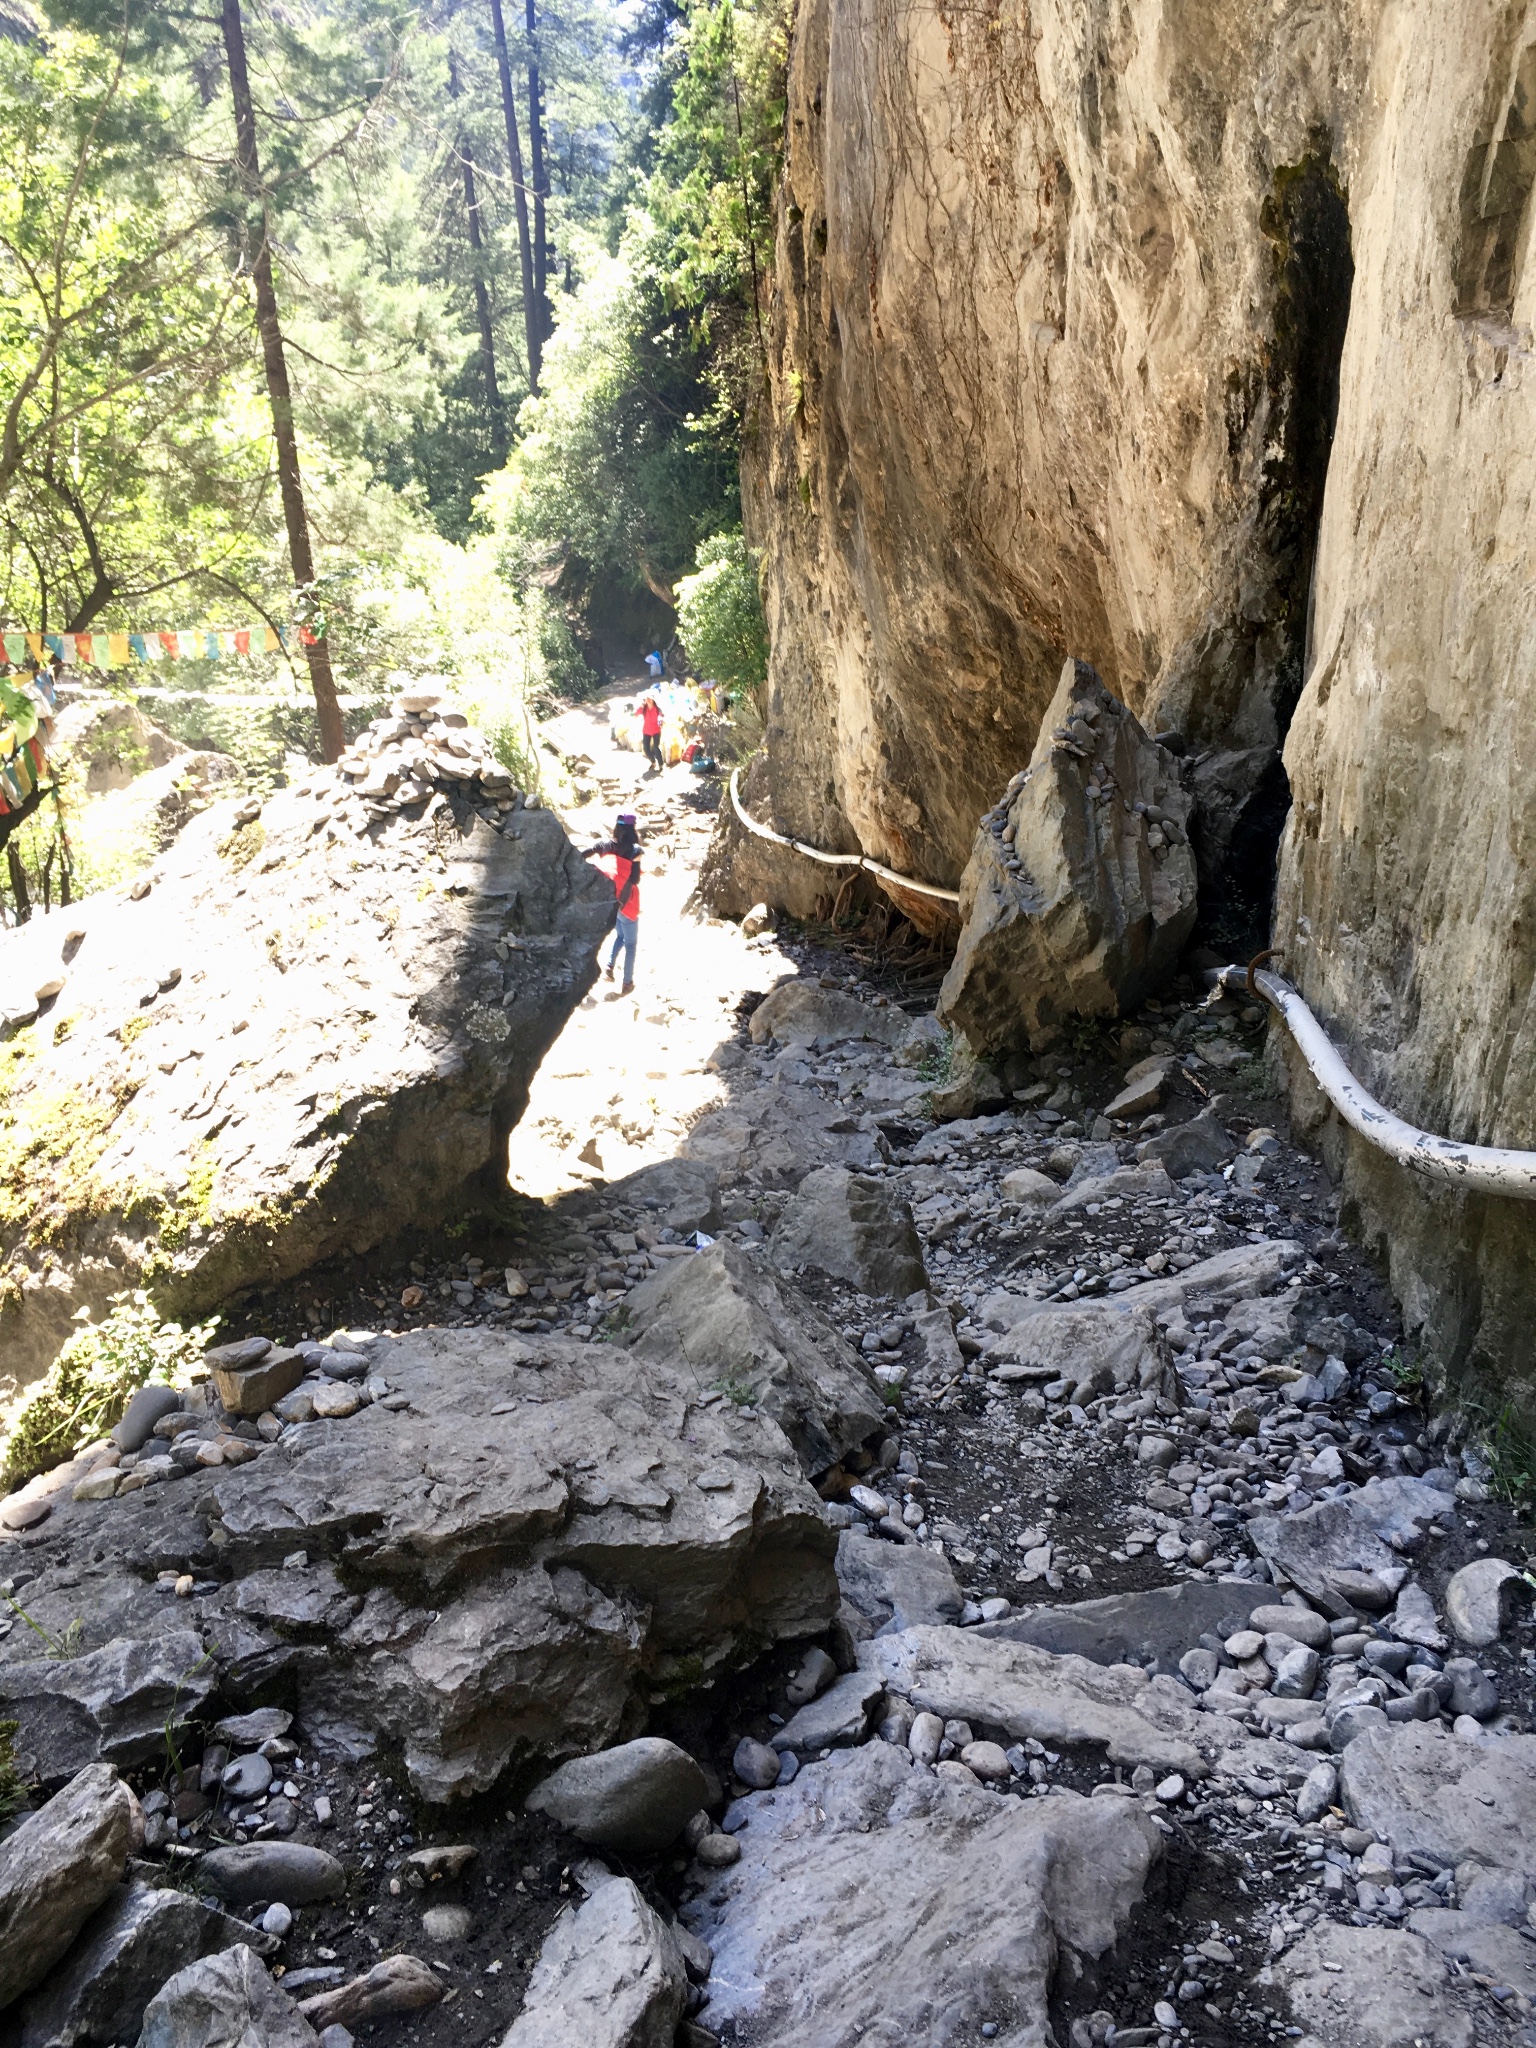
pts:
pixel 531 325
pixel 540 175
pixel 477 260
pixel 279 392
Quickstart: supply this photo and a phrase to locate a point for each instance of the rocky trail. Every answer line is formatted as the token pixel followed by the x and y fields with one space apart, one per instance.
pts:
pixel 849 1552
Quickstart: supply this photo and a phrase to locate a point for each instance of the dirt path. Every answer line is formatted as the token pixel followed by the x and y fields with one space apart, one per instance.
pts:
pixel 630 1074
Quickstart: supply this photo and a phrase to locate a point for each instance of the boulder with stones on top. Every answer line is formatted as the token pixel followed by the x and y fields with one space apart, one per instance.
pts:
pixel 123 1954
pixel 839 1717
pixel 854 1228
pixel 429 1010
pixel 531 1543
pixel 56 1868
pixel 974 1893
pixel 1066 1702
pixel 610 1975
pixel 1242 1275
pixel 1494 1951
pixel 1370 1987
pixel 224 2001
pixel 111 1704
pixel 804 1010
pixel 1080 890
pixel 739 1324
pixel 636 1798
pixel 1155 1627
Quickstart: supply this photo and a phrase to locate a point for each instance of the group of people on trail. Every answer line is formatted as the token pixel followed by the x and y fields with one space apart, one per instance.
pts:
pixel 619 859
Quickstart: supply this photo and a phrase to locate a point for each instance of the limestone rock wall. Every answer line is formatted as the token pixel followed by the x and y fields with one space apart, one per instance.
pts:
pixel 1066 302
pixel 1058 296
pixel 1408 884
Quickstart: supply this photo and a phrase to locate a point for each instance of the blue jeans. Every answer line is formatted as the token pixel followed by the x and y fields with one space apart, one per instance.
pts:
pixel 626 931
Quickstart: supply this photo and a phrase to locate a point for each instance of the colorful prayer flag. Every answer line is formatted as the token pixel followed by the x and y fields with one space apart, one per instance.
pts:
pixel 243 640
pixel 172 645
pixel 117 650
pixel 35 647
pixel 55 644
pixel 15 648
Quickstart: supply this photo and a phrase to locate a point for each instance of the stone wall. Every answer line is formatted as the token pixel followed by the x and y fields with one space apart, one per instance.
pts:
pixel 1408 885
pixel 1058 302
pixel 1055 339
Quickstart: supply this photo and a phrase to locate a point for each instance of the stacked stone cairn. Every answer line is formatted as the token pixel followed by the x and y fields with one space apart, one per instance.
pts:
pixel 425 752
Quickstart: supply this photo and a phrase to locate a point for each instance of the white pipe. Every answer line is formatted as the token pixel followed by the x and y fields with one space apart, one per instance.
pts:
pixel 1476 1169
pixel 835 860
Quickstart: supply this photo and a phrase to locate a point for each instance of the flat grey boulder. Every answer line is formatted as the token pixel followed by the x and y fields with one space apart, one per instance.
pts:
pixel 745 1328
pixel 875 1899
pixel 1370 1987
pixel 806 1011
pixel 840 1717
pixel 57 1868
pixel 292 1873
pixel 1155 1627
pixel 637 1798
pixel 224 2001
pixel 1245 1273
pixel 854 1228
pixel 1421 1788
pixel 428 1008
pixel 1496 1951
pixel 892 1586
pixel 610 1975
pixel 1481 1598
pixel 1080 890
pixel 120 1959
pixel 1066 1702
pixel 111 1705
pixel 1351 1535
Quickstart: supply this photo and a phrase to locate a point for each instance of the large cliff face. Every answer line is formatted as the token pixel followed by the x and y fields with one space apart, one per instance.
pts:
pixel 1067 297
pixel 1408 882
pixel 1059 298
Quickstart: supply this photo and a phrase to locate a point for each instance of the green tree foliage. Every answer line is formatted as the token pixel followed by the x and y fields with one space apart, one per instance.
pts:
pixel 720 614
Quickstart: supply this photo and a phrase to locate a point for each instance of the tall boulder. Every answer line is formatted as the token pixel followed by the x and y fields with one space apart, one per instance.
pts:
pixel 314 1029
pixel 1080 890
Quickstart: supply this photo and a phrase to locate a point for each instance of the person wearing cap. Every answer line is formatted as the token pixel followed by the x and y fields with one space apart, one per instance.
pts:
pixel 619 859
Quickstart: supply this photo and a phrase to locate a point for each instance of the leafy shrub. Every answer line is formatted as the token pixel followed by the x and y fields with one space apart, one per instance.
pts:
pixel 88 1385
pixel 720 614
pixel 13 1794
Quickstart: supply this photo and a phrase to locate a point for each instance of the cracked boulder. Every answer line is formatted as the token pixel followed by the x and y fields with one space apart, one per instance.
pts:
pixel 1080 890
pixel 56 1868
pixel 610 1975
pixel 115 1704
pixel 877 1899
pixel 314 1030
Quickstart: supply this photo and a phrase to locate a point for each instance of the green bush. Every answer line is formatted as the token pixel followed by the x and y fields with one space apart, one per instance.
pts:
pixel 88 1385
pixel 720 615
pixel 13 1794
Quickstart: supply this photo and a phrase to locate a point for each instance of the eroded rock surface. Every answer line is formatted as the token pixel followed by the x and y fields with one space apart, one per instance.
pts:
pixel 975 1895
pixel 316 1028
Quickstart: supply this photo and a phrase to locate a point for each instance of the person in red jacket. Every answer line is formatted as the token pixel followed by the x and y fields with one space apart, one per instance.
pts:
pixel 649 711
pixel 619 859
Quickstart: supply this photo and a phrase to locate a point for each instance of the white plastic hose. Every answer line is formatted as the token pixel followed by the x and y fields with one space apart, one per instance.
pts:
pixel 1476 1169
pixel 835 860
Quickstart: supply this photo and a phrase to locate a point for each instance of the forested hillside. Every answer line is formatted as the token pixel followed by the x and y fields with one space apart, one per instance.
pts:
pixel 414 340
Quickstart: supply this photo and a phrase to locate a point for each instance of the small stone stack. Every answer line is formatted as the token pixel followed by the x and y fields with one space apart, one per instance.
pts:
pixel 424 749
